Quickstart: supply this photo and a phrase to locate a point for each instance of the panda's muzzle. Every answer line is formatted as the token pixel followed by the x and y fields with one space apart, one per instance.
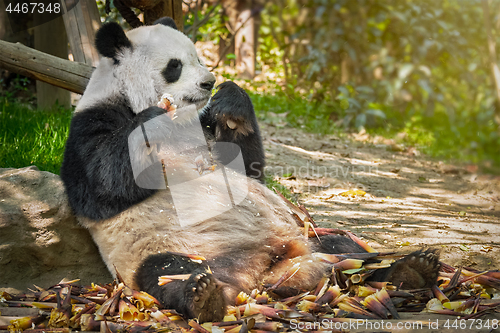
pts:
pixel 207 85
pixel 192 100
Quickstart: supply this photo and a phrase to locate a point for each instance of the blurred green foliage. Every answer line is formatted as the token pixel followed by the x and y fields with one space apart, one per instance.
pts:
pixel 213 29
pixel 415 71
pixel 418 67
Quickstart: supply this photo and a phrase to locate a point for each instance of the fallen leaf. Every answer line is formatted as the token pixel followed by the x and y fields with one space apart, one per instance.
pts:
pixel 464 247
pixel 353 193
pixel 486 248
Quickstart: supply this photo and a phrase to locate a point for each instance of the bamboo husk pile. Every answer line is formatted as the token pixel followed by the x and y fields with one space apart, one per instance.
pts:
pixel 344 295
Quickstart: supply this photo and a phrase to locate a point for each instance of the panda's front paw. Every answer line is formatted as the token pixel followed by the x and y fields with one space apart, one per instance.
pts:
pixel 207 299
pixel 231 110
pixel 152 129
pixel 230 118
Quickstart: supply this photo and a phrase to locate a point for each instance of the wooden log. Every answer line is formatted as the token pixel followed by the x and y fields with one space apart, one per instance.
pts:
pixel 26 61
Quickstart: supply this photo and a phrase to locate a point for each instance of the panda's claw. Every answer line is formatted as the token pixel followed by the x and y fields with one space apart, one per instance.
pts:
pixel 419 269
pixel 206 296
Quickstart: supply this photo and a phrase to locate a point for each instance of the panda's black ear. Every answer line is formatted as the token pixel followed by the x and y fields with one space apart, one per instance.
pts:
pixel 110 38
pixel 168 21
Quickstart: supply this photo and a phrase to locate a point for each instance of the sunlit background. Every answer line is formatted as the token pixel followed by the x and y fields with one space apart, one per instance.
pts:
pixel 419 73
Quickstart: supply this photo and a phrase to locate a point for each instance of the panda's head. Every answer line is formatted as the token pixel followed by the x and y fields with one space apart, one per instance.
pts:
pixel 146 63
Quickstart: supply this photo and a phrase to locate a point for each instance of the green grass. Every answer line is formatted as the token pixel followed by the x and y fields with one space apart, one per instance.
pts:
pixel 295 111
pixel 472 137
pixel 31 137
pixel 273 184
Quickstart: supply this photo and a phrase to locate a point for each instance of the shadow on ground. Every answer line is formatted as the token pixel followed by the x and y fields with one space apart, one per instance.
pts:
pixel 411 200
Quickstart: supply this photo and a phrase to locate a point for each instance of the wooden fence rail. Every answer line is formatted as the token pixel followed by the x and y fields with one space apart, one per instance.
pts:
pixel 17 58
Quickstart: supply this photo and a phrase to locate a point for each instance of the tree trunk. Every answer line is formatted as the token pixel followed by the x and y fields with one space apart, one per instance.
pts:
pixel 344 68
pixel 244 45
pixel 51 38
pixel 171 8
pixel 492 51
pixel 242 19
pixel 15 30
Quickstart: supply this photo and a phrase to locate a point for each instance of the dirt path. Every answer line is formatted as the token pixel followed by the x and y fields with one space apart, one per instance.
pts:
pixel 411 200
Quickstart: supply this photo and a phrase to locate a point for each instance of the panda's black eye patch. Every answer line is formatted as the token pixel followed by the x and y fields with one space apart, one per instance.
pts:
pixel 173 71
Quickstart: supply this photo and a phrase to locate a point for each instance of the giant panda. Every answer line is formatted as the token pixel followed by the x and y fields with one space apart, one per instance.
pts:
pixel 145 231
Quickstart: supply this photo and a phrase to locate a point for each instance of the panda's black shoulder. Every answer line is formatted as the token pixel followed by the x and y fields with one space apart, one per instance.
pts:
pixel 89 127
pixel 96 170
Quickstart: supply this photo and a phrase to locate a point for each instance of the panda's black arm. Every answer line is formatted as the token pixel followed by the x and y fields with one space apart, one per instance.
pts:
pixel 230 117
pixel 96 170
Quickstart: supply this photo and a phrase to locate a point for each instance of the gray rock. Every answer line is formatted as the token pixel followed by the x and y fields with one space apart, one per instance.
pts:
pixel 40 240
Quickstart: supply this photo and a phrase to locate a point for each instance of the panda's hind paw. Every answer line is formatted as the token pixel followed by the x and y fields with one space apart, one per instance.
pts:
pixel 208 303
pixel 418 269
pixel 204 285
pixel 198 296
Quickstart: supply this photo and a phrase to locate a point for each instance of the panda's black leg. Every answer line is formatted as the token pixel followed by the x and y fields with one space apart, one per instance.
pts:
pixel 336 244
pixel 416 270
pixel 197 295
pixel 230 117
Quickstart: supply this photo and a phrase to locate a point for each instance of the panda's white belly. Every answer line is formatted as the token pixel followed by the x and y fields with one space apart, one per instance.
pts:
pixel 260 221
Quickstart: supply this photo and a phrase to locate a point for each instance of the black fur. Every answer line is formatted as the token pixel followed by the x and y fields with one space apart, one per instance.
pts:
pixel 169 22
pixel 232 102
pixel 336 244
pixel 99 181
pixel 96 170
pixel 417 270
pixel 173 71
pixel 199 296
pixel 110 38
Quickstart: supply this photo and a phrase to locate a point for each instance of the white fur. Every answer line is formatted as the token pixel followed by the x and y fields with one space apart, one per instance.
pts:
pixel 258 228
pixel 259 224
pixel 138 73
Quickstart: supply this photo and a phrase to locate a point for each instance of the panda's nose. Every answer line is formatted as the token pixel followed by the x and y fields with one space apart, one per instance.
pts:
pixel 207 85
